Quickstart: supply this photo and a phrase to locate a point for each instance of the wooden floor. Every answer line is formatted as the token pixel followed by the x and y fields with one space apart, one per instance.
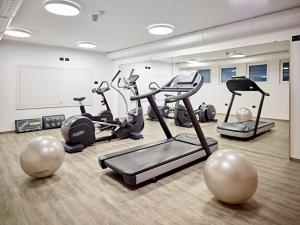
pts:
pixel 82 193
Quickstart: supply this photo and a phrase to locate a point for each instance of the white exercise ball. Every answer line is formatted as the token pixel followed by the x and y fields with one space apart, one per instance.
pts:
pixel 230 176
pixel 42 156
pixel 243 114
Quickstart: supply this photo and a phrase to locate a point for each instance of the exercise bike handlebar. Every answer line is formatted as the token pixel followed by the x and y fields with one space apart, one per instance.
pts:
pixel 189 89
pixel 100 89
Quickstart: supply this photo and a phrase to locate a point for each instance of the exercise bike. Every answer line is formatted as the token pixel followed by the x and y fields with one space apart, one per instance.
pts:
pixel 165 109
pixel 79 131
pixel 103 116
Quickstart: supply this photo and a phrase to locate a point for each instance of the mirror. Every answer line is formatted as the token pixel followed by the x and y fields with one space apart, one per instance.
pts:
pixel 266 64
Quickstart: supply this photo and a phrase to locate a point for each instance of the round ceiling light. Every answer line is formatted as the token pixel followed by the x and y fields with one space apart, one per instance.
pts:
pixel 160 29
pixel 62 7
pixel 17 32
pixel 86 44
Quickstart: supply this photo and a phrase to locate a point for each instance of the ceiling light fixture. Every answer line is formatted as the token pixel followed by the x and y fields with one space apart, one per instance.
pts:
pixel 160 29
pixel 62 7
pixel 237 55
pixel 194 63
pixel 17 32
pixel 86 44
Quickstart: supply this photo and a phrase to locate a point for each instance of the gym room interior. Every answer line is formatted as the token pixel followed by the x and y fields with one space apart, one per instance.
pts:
pixel 149 112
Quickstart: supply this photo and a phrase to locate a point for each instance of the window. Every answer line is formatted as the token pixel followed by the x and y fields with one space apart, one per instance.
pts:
pixel 258 72
pixel 206 75
pixel 227 73
pixel 285 71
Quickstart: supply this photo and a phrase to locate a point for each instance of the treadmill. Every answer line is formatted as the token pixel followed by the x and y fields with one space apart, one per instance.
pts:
pixel 244 129
pixel 145 162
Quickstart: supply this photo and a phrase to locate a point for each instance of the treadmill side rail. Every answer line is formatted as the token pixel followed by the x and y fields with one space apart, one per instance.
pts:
pixel 162 169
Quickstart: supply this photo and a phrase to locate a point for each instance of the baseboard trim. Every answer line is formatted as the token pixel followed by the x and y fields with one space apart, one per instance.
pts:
pixel 295 160
pixel 7 132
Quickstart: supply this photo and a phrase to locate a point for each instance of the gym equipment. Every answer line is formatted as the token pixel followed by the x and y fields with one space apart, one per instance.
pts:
pixel 165 110
pixel 181 116
pixel 244 129
pixel 42 156
pixel 27 125
pixel 243 114
pixel 79 131
pixel 206 113
pixel 104 115
pixel 151 114
pixel 145 162
pixel 230 176
pixel 54 121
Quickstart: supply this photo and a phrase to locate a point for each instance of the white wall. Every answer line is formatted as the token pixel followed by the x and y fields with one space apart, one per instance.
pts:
pixel 13 54
pixel 295 103
pixel 276 106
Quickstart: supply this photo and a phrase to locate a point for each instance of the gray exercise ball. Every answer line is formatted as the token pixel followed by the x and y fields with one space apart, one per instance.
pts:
pixel 243 114
pixel 42 156
pixel 230 176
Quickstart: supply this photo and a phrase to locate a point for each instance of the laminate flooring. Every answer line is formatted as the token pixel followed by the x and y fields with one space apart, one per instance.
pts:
pixel 82 193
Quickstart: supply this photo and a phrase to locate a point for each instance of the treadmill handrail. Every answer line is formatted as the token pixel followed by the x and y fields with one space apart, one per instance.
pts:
pixel 187 91
pixel 243 83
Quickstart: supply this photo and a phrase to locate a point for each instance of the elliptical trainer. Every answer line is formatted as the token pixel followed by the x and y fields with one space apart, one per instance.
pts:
pixel 79 131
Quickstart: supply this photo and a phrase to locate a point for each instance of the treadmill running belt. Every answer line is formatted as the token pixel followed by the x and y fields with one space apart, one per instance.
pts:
pixel 152 156
pixel 243 126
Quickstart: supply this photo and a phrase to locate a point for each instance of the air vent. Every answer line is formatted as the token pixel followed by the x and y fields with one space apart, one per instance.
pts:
pixel 3 23
pixel 8 8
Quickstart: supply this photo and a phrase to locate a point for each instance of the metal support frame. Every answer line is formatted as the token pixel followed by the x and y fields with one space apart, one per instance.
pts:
pixel 160 118
pixel 197 126
pixel 229 107
pixel 258 114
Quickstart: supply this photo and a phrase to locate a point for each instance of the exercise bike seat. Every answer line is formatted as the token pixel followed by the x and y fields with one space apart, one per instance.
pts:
pixel 79 99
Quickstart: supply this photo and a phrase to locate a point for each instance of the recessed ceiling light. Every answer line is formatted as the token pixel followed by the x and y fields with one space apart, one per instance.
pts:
pixel 160 29
pixel 62 7
pixel 194 63
pixel 86 44
pixel 237 55
pixel 17 32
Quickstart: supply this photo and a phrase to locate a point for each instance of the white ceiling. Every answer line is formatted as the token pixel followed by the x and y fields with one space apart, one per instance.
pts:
pixel 124 23
pixel 253 50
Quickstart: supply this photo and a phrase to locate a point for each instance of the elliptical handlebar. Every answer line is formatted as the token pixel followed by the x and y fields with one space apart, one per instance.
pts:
pixel 177 84
pixel 117 74
pixel 117 90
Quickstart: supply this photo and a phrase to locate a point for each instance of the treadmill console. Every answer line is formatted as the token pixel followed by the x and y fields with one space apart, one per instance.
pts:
pixel 186 80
